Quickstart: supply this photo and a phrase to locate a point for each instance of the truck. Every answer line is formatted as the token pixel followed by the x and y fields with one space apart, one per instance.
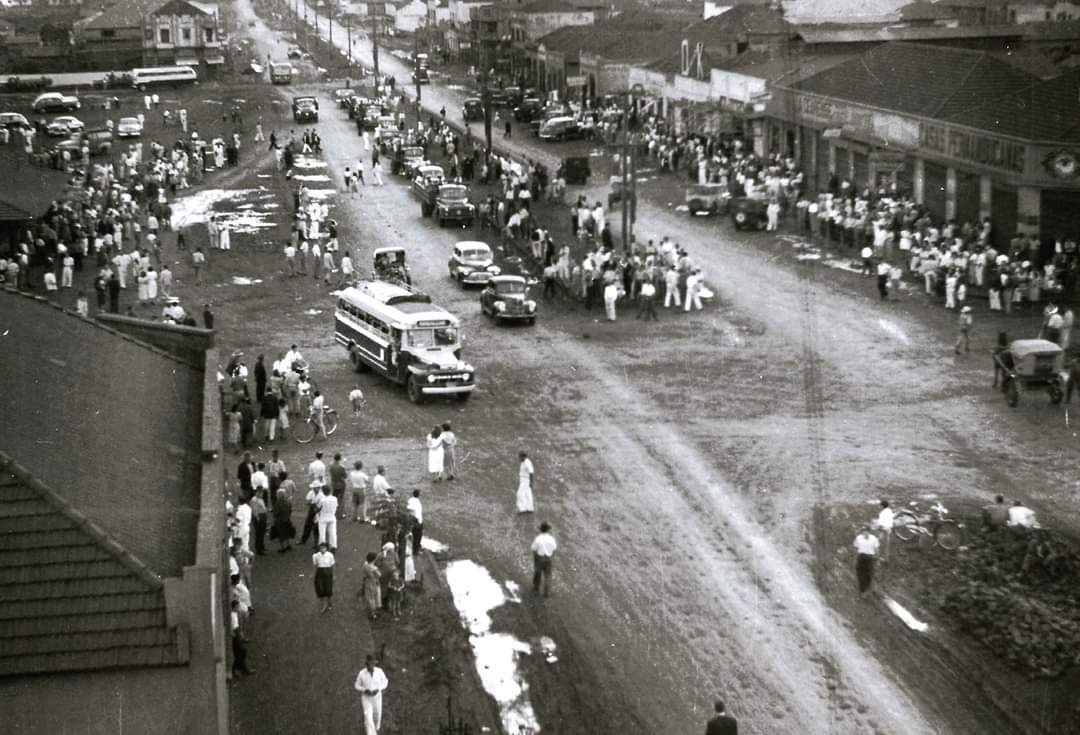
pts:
pixel 281 72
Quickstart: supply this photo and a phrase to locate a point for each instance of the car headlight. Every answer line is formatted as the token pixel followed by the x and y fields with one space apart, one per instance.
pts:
pixel 531 305
pixel 431 378
pixel 468 377
pixel 495 270
pixel 500 305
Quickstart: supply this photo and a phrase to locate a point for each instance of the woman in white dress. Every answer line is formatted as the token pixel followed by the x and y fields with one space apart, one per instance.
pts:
pixel 144 292
pixel 435 454
pixel 524 491
pixel 224 237
pixel 151 285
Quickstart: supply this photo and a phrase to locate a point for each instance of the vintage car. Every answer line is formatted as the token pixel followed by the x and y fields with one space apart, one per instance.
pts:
pixel 452 205
pixel 305 109
pixel 388 264
pixel 344 96
pixel 295 52
pixel 749 212
pixel 530 108
pixel 55 102
pixel 367 117
pixel 64 125
pixel 707 198
pixel 406 160
pixel 472 263
pixel 506 298
pixel 129 127
pixel 99 141
pixel 420 76
pixel 14 120
pixel 560 128
pixel 1032 363
pixel 473 110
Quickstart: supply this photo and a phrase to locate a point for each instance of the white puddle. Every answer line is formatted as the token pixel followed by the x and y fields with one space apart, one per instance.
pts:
pixel 435 547
pixel 308 162
pixel 894 330
pixel 245 219
pixel 316 312
pixel 321 193
pixel 682 208
pixel 245 281
pixel 475 595
pixel 311 177
pixel 908 619
pixel 842 265
pixel 808 256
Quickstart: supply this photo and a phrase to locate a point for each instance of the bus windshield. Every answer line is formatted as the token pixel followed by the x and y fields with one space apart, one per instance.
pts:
pixel 437 337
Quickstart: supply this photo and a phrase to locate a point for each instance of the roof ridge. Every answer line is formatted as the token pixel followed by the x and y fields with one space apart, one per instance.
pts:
pixel 98 325
pixel 98 534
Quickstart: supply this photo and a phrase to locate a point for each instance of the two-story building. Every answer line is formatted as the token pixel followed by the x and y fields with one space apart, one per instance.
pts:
pixel 489 31
pixel 535 19
pixel 183 34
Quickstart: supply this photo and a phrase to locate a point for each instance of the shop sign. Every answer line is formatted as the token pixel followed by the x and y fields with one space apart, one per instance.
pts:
pixel 832 132
pixel 575 81
pixel 885 161
pixel 985 150
pixel 834 114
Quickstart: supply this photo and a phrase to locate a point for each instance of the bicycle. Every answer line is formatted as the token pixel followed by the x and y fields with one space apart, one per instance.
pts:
pixel 911 522
pixel 306 430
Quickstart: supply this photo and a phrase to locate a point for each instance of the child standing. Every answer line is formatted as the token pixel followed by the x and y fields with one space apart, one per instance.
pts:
pixel 395 591
pixel 356 398
pixel 964 324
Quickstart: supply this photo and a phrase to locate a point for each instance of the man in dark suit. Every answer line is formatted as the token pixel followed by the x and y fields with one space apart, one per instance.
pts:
pixel 721 723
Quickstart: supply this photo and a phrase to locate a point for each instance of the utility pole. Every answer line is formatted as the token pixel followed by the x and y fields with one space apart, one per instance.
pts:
pixel 485 98
pixel 348 35
pixel 330 21
pixel 375 46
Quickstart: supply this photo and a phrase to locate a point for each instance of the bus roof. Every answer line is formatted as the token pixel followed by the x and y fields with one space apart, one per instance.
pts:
pixel 395 304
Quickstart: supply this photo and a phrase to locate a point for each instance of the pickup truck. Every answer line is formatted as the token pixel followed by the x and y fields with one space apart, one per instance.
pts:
pixel 281 72
pixel 452 205
pixel 425 187
pixel 406 160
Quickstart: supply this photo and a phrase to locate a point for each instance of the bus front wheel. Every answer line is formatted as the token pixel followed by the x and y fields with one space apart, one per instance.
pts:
pixel 416 395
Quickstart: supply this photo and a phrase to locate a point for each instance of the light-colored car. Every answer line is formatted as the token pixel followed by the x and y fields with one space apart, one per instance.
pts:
pixel 63 126
pixel 506 298
pixel 129 127
pixel 472 263
pixel 12 120
pixel 560 128
pixel 55 102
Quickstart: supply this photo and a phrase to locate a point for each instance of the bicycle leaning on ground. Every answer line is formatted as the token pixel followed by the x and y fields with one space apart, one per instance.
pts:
pixel 912 522
pixel 306 431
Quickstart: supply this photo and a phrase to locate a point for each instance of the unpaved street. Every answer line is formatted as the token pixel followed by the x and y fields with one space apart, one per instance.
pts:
pixel 681 462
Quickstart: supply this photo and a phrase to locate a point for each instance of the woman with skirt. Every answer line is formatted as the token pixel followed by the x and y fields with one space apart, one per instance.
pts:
pixel 283 529
pixel 435 454
pixel 323 562
pixel 524 491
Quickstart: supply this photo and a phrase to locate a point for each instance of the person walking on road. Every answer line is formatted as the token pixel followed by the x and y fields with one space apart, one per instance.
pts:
pixel 543 548
pixel 866 549
pixel 323 561
pixel 721 723
pixel 369 585
pixel 358 481
pixel 963 337
pixel 884 523
pixel 449 440
pixel 371 682
pixel 327 518
pixel 525 480
pixel 435 453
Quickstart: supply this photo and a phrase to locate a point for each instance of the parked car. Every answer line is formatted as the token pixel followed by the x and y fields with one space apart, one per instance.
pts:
pixel 530 108
pixel 707 198
pixel 64 125
pixel 452 205
pixel 343 97
pixel 305 109
pixel 473 110
pixel 420 76
pixel 560 128
pixel 388 264
pixel 511 97
pixel 295 52
pixel 548 113
pixel 13 120
pixel 749 212
pixel 406 160
pixel 55 102
pixel 129 127
pixel 472 263
pixel 506 298
pixel 99 141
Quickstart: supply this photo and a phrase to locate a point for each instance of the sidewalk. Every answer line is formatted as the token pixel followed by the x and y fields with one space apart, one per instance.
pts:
pixel 305 662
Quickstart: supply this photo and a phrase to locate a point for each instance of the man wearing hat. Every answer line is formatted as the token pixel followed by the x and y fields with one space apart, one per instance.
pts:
pixel 964 323
pixel 1052 324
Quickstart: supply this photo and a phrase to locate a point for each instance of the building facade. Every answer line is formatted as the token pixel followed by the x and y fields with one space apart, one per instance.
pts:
pixel 181 33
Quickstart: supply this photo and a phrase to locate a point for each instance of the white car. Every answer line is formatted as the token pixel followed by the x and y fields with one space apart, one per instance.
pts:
pixel 55 102
pixel 129 127
pixel 472 263
pixel 64 125
pixel 12 120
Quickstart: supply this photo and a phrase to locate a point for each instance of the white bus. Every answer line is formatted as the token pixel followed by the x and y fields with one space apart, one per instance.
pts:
pixel 397 332
pixel 163 75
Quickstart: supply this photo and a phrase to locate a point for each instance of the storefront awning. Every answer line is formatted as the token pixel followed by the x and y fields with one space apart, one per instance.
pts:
pixel 215 59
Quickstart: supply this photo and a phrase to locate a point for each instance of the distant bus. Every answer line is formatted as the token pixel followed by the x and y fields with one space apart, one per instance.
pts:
pixel 163 75
pixel 280 72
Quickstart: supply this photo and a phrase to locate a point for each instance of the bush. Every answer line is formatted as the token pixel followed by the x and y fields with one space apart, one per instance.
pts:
pixel 23 84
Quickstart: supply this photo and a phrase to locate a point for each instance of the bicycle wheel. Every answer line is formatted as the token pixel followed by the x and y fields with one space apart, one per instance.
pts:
pixel 905 525
pixel 304 431
pixel 330 419
pixel 949 535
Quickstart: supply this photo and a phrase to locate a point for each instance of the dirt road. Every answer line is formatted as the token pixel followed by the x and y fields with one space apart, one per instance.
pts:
pixel 680 463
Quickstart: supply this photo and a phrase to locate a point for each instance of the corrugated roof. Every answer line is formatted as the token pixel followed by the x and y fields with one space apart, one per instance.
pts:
pixel 71 599
pixel 1030 60
pixel 179 7
pixel 72 386
pixel 741 22
pixel 1046 110
pixel 919 79
pixel 121 14
pixel 783 69
pixel 28 189
pixel 537 7
pixel 569 40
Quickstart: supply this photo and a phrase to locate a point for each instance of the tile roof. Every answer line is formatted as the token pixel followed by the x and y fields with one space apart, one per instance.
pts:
pixel 782 69
pixel 740 22
pixel 1031 60
pixel 121 14
pixel 569 40
pixel 179 7
pixel 1046 110
pixel 831 33
pixel 111 424
pixel 71 599
pixel 29 189
pixel 917 79
pixel 923 10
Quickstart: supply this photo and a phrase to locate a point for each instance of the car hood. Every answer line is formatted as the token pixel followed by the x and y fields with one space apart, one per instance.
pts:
pixel 444 359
